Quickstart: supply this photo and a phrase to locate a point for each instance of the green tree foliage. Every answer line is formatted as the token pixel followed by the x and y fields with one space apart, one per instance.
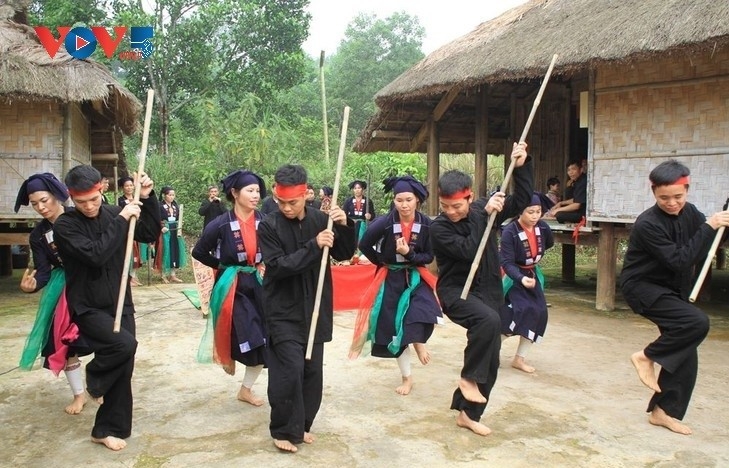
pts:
pixel 53 13
pixel 373 53
pixel 223 48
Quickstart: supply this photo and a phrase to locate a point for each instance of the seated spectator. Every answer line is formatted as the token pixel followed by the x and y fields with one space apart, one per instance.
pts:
pixel 553 190
pixel 571 210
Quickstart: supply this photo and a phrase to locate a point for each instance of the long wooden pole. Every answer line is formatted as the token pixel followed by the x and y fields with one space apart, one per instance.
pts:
pixel 324 107
pixel 707 265
pixel 330 225
pixel 505 184
pixel 133 219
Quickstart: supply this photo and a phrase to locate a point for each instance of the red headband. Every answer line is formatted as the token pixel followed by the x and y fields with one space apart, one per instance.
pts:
pixel 465 193
pixel 83 193
pixel 288 192
pixel 684 180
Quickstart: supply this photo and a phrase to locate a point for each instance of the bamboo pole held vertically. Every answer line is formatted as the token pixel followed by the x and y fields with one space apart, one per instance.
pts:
pixel 133 219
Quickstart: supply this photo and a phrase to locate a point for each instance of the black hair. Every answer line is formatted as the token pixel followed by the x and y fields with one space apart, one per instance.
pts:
pixel 552 181
pixel 82 178
pixel 453 181
pixel 290 174
pixel 575 162
pixel 668 172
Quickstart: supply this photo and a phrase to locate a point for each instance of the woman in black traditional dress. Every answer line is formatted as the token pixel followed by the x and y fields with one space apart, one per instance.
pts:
pixel 229 245
pixel 399 307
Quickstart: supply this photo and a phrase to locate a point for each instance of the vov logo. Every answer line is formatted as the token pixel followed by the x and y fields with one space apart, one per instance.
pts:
pixel 81 41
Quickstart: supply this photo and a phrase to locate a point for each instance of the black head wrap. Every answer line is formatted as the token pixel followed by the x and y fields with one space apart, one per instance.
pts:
pixel 240 178
pixel 362 183
pixel 45 182
pixel 406 184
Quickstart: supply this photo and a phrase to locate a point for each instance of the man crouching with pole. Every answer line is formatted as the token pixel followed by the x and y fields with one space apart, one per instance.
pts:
pixel 91 241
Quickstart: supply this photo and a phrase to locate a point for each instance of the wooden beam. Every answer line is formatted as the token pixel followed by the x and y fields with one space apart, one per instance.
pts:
pixel 438 112
pixel 481 136
pixel 104 157
pixel 433 168
pixel 606 268
pixel 13 238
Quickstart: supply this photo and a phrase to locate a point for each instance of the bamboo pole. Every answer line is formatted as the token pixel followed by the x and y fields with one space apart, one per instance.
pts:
pixel 707 265
pixel 505 184
pixel 330 225
pixel 324 107
pixel 133 219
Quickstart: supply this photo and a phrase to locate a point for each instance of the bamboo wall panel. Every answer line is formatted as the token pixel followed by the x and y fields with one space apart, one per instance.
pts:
pixel 643 124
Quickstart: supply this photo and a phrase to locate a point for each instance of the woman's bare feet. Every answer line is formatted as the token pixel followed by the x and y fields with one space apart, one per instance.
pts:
pixel 285 445
pixel 659 417
pixel 519 363
pixel 407 385
pixel 470 391
pixel 111 442
pixel 462 420
pixel 165 280
pixel 175 279
pixel 308 438
pixel 247 395
pixel 76 405
pixel 422 352
pixel 646 370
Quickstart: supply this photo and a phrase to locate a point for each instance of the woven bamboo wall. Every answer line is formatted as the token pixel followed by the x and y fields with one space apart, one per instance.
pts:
pixel 31 141
pixel 675 107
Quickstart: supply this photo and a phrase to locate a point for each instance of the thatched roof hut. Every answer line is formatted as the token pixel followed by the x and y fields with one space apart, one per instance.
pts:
pixel 57 112
pixel 637 82
pixel 518 45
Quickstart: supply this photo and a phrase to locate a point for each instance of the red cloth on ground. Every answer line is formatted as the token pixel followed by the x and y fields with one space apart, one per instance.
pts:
pixel 349 282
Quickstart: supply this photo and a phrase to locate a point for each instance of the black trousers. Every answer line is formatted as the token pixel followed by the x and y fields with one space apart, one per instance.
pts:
pixel 683 327
pixel 109 374
pixel 481 355
pixel 294 388
pixel 569 216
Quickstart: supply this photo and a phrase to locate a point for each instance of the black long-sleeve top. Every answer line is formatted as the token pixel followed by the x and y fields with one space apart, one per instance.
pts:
pixel 367 207
pixel 292 259
pixel 45 252
pixel 93 250
pixel 210 210
pixel 662 251
pixel 514 204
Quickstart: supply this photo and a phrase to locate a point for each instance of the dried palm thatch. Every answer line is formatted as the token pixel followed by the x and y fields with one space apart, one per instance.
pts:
pixel 519 44
pixel 28 73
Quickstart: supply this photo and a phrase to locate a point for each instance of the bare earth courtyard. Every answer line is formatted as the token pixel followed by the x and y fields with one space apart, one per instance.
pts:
pixel 583 407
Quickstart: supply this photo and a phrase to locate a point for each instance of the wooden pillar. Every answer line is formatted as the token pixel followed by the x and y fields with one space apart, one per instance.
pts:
pixel 433 167
pixel 606 267
pixel 568 263
pixel 6 260
pixel 66 160
pixel 481 143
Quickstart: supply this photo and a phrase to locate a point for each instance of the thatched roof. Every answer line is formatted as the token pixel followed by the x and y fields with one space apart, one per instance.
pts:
pixel 519 45
pixel 28 73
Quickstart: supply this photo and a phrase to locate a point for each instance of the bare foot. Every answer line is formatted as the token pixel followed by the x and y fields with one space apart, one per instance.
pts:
pixel 407 385
pixel 165 280
pixel 247 395
pixel 175 279
pixel 285 445
pixel 229 368
pixel 76 405
pixel 422 353
pixel 659 417
pixel 308 438
pixel 519 363
pixel 646 370
pixel 470 391
pixel 111 442
pixel 462 420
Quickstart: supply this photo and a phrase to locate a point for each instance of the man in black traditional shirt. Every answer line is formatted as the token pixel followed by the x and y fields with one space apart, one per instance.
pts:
pixel 666 242
pixel 92 243
pixel 456 234
pixel 291 241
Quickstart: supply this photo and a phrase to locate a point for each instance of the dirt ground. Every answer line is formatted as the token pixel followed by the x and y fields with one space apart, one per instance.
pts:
pixel 583 407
